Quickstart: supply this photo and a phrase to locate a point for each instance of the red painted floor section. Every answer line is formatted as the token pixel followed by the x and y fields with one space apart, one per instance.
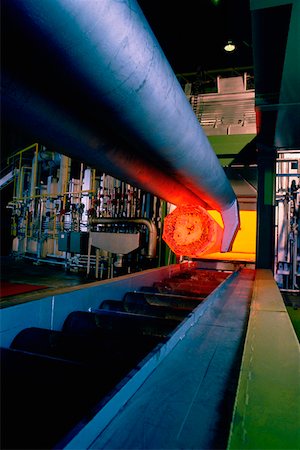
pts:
pixel 7 288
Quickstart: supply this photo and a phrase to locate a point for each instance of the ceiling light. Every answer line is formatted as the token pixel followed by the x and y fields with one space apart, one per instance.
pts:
pixel 229 47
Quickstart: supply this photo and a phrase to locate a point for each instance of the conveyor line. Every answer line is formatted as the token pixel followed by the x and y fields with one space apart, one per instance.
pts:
pixel 184 302
pixel 200 283
pixel 116 354
pixel 137 302
pixel 186 403
pixel 97 322
pixel 103 345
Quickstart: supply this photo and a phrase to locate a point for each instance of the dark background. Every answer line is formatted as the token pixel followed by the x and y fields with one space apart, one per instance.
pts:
pixel 193 33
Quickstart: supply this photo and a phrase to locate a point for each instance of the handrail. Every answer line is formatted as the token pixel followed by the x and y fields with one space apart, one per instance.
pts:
pixel 20 152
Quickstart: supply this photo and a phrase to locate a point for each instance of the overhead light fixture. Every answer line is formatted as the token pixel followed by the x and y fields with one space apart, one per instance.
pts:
pixel 229 47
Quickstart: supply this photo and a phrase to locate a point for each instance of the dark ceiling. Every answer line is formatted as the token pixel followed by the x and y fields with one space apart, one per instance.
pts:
pixel 193 34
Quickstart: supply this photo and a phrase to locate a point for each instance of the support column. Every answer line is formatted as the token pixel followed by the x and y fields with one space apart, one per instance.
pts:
pixel 266 208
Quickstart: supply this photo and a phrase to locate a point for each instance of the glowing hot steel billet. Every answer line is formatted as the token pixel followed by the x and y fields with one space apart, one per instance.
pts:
pixel 191 231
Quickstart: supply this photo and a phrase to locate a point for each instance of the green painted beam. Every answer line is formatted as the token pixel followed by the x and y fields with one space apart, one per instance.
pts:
pixel 267 407
pixel 229 144
pixel 294 314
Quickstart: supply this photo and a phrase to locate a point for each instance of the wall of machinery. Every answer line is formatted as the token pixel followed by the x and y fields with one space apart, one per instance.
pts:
pixel 287 240
pixel 65 212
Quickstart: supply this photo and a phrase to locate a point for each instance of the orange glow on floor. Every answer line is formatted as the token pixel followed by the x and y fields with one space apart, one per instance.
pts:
pixel 191 231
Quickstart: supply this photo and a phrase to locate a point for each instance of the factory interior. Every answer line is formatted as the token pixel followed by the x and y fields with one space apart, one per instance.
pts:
pixel 150 208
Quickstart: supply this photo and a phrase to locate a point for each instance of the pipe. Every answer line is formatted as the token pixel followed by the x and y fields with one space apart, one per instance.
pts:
pixel 147 222
pixel 57 129
pixel 111 70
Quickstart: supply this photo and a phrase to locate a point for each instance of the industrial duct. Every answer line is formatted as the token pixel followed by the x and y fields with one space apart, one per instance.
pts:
pixel 85 65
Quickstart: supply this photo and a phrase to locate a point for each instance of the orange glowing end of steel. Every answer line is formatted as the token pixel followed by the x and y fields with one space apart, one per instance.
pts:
pixel 191 231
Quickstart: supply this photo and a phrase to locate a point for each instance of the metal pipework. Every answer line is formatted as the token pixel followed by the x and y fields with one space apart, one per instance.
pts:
pixel 32 112
pixel 105 54
pixel 152 238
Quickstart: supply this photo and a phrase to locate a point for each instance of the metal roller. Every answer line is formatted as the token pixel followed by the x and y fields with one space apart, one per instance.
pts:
pixel 100 322
pixel 113 358
pixel 112 305
pixel 139 303
pixel 173 301
pixel 101 65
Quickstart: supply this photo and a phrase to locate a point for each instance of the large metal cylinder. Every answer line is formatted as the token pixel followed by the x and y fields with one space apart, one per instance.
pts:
pixel 100 63
pixel 31 112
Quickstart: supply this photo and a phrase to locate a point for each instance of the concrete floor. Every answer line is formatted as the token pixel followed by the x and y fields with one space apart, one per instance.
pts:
pixel 28 272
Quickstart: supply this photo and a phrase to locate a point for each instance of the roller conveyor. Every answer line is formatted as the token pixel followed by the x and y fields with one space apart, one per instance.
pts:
pixel 154 303
pixel 112 305
pixel 107 341
pixel 42 398
pixel 121 323
pixel 172 301
pixel 137 302
pixel 108 351
pixel 187 401
pixel 196 283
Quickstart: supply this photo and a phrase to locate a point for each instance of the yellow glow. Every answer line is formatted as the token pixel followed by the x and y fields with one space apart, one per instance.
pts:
pixel 244 246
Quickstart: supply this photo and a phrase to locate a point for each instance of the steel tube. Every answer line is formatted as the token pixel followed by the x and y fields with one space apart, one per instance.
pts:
pixel 32 113
pixel 111 69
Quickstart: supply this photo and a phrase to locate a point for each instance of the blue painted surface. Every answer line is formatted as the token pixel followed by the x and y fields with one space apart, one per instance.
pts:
pixel 184 403
pixel 51 311
pixel 206 311
pixel 205 321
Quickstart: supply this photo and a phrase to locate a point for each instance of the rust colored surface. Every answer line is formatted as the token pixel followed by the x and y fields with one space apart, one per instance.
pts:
pixel 191 231
pixel 193 283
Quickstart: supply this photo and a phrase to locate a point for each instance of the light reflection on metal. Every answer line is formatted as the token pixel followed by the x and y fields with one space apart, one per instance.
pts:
pixel 191 231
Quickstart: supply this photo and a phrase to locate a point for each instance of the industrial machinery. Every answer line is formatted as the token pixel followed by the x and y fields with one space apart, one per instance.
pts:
pixel 61 207
pixel 112 106
pixel 81 357
pixel 78 372
pixel 64 212
pixel 287 241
